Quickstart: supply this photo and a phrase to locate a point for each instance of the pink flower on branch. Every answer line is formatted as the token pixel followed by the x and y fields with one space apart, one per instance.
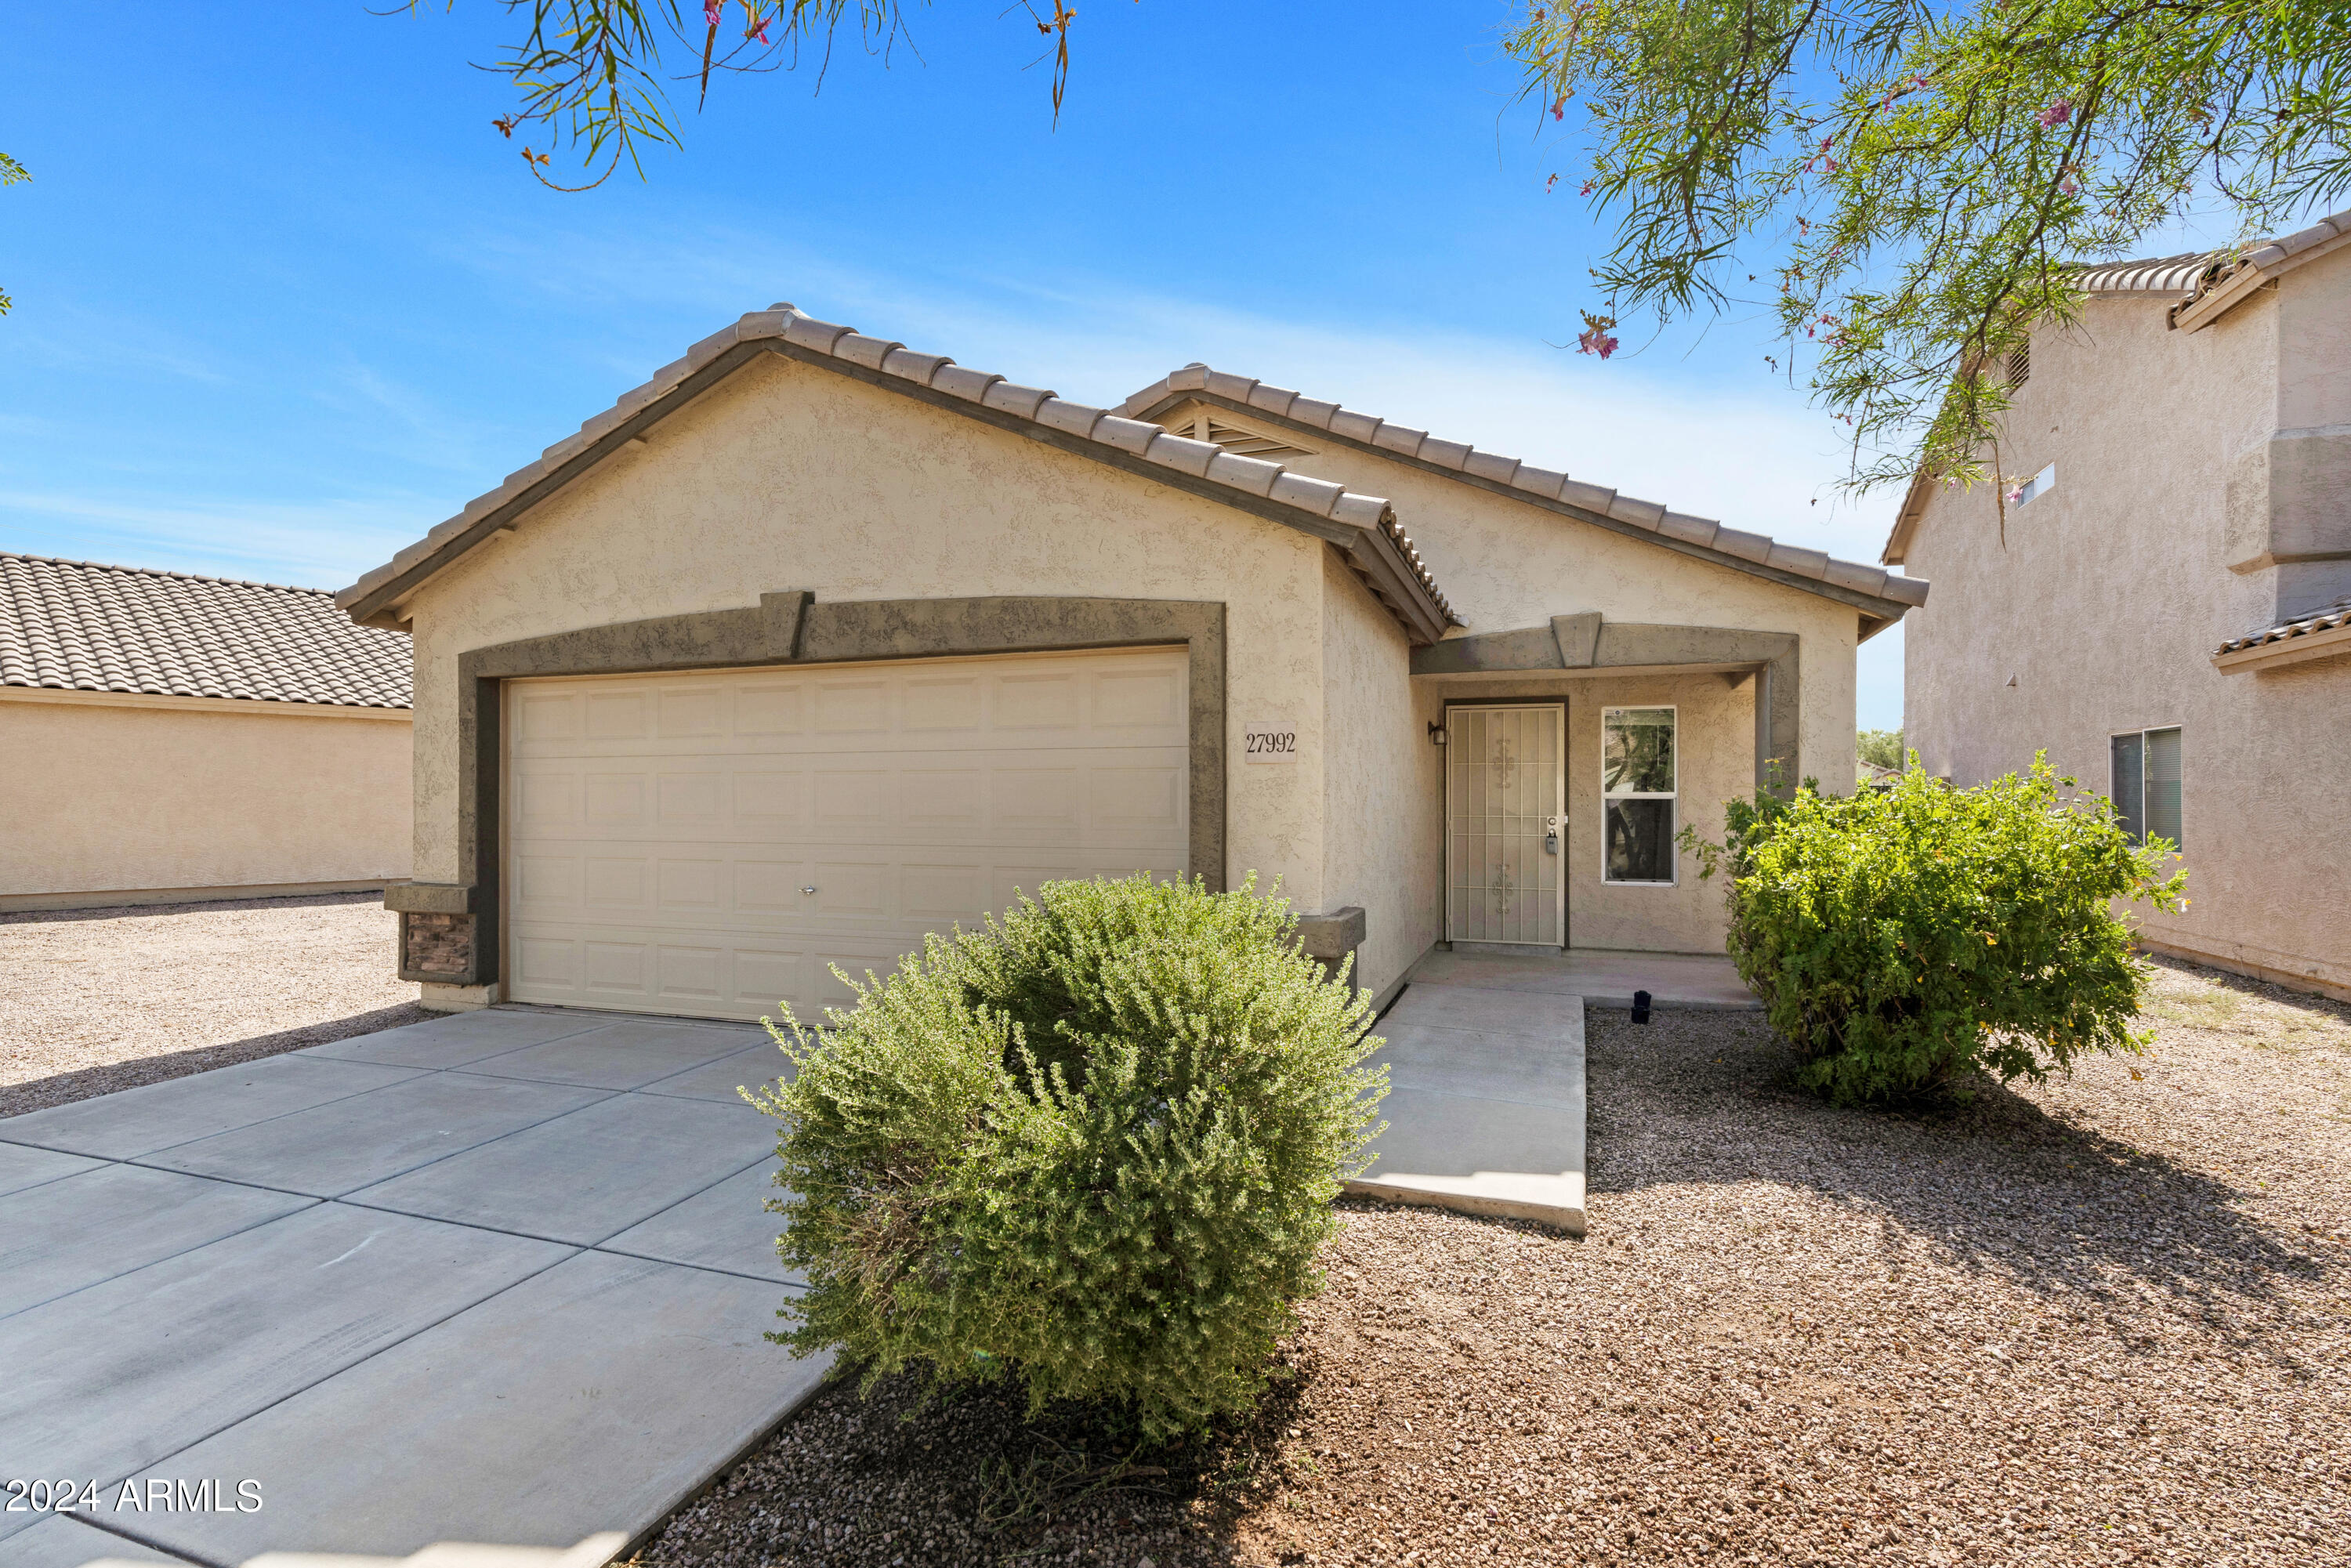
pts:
pixel 1594 338
pixel 711 9
pixel 2057 114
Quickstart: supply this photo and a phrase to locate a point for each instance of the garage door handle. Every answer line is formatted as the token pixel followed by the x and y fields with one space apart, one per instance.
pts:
pixel 810 888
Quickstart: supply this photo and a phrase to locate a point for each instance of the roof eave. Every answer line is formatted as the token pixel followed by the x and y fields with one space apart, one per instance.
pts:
pixel 1905 521
pixel 1153 401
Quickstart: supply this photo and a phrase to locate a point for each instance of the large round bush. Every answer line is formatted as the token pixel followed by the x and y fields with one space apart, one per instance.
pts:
pixel 1900 936
pixel 1090 1149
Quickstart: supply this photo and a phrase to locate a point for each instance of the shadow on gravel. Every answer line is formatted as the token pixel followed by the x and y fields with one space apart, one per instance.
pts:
pixel 1995 1183
pixel 966 1479
pixel 206 907
pixel 63 1088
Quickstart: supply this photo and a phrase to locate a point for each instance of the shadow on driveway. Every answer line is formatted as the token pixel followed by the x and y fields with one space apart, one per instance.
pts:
pixel 63 1088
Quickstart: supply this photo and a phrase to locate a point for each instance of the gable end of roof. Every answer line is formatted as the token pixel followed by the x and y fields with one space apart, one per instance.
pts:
pixel 1363 528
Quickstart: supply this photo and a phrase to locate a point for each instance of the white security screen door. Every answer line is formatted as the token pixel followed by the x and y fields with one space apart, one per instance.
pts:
pixel 710 842
pixel 1506 824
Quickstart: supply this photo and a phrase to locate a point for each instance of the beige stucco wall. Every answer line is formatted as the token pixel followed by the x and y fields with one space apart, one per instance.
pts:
pixel 791 478
pixel 1383 842
pixel 2111 592
pixel 109 794
pixel 1505 563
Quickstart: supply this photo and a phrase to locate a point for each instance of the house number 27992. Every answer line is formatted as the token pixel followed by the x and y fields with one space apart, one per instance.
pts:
pixel 1270 743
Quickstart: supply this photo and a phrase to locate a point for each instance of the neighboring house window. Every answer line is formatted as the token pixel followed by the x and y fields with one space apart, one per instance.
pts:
pixel 2143 775
pixel 1637 786
pixel 2032 489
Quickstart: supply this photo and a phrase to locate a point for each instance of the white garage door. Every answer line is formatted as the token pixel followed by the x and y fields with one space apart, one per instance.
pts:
pixel 709 844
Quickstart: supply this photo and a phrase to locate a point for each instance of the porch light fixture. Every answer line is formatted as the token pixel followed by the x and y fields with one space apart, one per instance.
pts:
pixel 1437 732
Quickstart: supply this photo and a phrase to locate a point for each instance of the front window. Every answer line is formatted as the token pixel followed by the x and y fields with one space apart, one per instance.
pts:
pixel 1637 786
pixel 2143 777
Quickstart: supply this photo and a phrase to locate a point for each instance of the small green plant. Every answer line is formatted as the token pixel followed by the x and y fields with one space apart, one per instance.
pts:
pixel 1900 936
pixel 1090 1150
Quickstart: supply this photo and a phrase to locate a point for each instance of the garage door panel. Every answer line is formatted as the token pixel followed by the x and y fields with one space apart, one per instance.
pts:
pixel 768 886
pixel 692 886
pixel 691 712
pixel 1147 699
pixel 770 801
pixel 944 705
pixel 661 828
pixel 546 795
pixel 619 714
pixel 1040 702
pixel 608 799
pixel 691 973
pixel 697 796
pixel 852 797
pixel 853 707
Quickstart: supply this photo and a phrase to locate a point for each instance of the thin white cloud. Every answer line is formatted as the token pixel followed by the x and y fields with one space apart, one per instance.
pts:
pixel 321 544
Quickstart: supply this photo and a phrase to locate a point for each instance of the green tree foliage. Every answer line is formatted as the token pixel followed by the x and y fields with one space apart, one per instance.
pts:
pixel 592 75
pixel 1899 937
pixel 1880 747
pixel 1916 183
pixel 1090 1150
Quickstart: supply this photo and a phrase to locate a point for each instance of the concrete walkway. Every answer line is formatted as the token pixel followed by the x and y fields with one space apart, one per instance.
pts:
pixel 1485 1105
pixel 499 1277
pixel 1699 981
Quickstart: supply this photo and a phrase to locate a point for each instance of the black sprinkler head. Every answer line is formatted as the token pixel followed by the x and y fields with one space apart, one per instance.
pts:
pixel 1640 1006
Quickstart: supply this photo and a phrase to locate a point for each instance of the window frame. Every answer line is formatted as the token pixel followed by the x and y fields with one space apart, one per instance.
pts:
pixel 2145 737
pixel 1671 796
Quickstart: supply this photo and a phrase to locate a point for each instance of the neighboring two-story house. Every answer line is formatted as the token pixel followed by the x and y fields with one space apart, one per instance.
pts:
pixel 2166 606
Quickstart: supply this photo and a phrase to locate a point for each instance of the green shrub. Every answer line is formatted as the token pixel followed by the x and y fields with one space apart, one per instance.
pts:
pixel 1090 1150
pixel 1900 936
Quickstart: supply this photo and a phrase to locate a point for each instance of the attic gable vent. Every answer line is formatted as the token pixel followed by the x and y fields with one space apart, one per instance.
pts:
pixel 2020 366
pixel 1201 425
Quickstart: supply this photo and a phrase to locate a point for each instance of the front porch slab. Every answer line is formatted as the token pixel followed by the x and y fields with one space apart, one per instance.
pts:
pixel 1699 981
pixel 1486 1103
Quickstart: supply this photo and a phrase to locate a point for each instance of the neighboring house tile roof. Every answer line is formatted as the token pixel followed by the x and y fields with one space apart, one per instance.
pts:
pixel 1365 527
pixel 77 625
pixel 2208 284
pixel 1742 549
pixel 2334 618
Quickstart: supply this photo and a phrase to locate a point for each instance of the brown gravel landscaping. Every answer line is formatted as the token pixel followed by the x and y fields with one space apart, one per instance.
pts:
pixel 2105 1319
pixel 99 1000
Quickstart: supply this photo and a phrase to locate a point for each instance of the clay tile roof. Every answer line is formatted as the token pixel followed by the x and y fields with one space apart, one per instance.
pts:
pixel 2209 276
pixel 2336 615
pixel 2159 275
pixel 77 625
pixel 1538 484
pixel 785 323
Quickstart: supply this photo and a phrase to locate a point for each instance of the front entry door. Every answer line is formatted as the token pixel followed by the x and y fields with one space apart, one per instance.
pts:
pixel 1506 823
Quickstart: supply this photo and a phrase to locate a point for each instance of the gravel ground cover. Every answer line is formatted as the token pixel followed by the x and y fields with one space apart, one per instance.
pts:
pixel 99 1000
pixel 2105 1319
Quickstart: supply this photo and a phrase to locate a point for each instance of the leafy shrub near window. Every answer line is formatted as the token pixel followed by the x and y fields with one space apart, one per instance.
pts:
pixel 1901 936
pixel 1089 1150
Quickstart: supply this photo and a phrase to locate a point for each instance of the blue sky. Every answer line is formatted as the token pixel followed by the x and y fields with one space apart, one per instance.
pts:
pixel 285 300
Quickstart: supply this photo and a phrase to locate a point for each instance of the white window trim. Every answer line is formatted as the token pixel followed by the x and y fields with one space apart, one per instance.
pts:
pixel 1675 795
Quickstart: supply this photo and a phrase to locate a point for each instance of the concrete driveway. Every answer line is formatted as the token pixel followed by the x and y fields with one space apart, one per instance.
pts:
pixel 498 1277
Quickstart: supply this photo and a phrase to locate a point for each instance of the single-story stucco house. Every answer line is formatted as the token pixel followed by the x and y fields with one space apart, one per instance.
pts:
pixel 169 738
pixel 814 644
